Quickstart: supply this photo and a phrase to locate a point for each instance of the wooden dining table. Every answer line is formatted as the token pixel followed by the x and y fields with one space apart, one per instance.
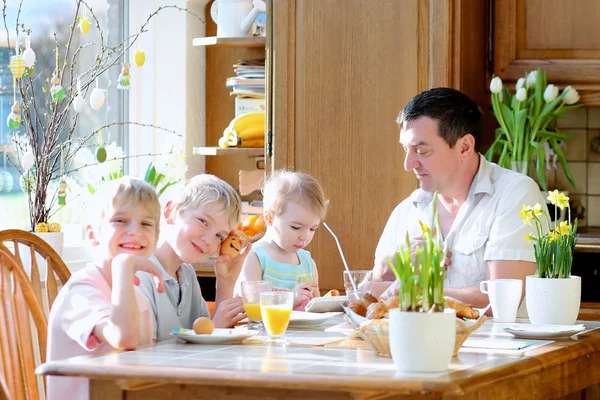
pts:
pixel 322 362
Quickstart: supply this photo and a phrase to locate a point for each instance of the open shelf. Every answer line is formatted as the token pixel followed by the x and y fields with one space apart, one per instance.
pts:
pixel 247 41
pixel 232 151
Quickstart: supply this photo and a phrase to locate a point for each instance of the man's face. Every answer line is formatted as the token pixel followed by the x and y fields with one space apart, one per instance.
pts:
pixel 433 161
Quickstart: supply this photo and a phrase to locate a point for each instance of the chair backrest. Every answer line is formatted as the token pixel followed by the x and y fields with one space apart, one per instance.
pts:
pixel 27 244
pixel 4 393
pixel 20 345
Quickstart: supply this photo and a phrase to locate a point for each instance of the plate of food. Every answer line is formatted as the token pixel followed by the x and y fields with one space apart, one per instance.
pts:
pixel 218 336
pixel 303 319
pixel 531 331
pixel 331 302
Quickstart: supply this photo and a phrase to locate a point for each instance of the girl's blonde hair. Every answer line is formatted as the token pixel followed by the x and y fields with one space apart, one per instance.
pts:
pixel 283 186
pixel 205 189
pixel 113 194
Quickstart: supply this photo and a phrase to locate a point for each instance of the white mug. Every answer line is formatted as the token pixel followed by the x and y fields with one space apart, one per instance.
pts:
pixel 505 297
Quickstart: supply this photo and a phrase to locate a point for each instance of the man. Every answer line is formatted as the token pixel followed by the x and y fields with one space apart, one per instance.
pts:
pixel 478 202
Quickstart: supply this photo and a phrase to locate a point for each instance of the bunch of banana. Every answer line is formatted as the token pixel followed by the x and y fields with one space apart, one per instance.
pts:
pixel 247 130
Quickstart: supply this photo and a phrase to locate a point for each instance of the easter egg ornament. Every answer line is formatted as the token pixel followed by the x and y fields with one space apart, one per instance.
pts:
pixel 97 97
pixel 79 102
pixel 17 66
pixel 62 192
pixel 124 78
pixel 8 181
pixel 14 118
pixel 139 57
pixel 101 154
pixel 84 24
pixel 28 54
pixel 27 182
pixel 27 160
pixel 56 91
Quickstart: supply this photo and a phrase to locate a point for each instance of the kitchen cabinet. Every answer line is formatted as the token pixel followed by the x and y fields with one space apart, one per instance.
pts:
pixel 342 72
pixel 560 36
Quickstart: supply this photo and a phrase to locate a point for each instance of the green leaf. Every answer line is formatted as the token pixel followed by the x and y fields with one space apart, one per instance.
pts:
pixel 555 135
pixel 150 173
pixel 161 191
pixel 91 189
pixel 507 115
pixel 540 163
pixel 563 161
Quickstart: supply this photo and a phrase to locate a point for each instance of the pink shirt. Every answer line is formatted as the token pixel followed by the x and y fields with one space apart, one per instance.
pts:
pixel 79 306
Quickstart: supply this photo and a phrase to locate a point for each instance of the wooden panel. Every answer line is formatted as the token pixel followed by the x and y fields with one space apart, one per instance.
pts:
pixel 561 36
pixel 220 105
pixel 345 84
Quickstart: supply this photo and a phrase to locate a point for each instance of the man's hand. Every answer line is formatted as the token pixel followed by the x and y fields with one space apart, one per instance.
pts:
pixel 228 268
pixel 229 313
pixel 302 292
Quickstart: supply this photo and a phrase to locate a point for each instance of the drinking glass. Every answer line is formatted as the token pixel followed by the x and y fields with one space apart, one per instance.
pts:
pixel 276 309
pixel 250 297
pixel 363 280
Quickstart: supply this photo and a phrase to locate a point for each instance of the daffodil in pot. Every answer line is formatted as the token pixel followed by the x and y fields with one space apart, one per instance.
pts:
pixel 527 131
pixel 553 295
pixel 422 333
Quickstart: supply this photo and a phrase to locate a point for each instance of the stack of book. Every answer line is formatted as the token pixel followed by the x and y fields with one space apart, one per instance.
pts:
pixel 248 86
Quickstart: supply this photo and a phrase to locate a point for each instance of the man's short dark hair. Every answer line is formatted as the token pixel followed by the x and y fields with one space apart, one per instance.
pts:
pixel 456 113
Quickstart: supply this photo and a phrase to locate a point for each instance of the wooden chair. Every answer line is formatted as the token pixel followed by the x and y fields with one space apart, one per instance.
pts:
pixel 4 393
pixel 20 345
pixel 57 272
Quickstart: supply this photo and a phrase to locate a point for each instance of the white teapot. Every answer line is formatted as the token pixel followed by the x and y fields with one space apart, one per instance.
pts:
pixel 234 17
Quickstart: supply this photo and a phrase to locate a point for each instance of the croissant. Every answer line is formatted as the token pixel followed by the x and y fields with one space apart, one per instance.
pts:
pixel 369 299
pixel 392 302
pixel 376 311
pixel 358 307
pixel 462 310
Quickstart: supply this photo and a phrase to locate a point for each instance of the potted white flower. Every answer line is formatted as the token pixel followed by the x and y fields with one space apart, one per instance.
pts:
pixel 422 333
pixel 553 296
pixel 526 120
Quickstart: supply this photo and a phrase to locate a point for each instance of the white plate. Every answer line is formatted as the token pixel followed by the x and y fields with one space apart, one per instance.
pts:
pixel 529 331
pixel 302 319
pixel 219 336
pixel 326 304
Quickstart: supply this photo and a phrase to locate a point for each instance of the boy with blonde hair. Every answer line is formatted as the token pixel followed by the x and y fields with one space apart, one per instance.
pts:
pixel 205 211
pixel 99 309
pixel 294 207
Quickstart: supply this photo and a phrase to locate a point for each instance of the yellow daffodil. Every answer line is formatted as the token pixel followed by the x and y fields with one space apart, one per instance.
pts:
pixel 553 196
pixel 424 227
pixel 529 237
pixel 526 214
pixel 562 201
pixel 553 236
pixel 564 228
pixel 537 210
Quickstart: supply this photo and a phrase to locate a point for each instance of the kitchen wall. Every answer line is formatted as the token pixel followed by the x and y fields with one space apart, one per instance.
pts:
pixel 584 163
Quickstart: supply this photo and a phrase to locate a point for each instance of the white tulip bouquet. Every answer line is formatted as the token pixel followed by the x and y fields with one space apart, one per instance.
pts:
pixel 527 123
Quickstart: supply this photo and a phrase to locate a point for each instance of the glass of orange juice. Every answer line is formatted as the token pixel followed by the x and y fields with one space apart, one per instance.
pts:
pixel 276 309
pixel 250 297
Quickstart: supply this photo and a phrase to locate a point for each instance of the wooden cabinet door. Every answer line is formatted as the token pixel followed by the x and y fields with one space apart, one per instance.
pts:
pixel 560 36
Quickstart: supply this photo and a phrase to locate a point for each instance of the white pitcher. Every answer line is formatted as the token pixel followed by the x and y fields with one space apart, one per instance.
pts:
pixel 234 17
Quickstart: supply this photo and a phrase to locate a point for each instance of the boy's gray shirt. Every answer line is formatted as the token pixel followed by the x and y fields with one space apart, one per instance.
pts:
pixel 180 304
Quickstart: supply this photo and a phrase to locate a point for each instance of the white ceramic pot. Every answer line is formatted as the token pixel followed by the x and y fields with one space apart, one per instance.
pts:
pixel 422 342
pixel 553 301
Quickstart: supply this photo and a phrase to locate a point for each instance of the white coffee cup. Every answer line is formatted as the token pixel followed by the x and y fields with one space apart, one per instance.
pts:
pixel 505 297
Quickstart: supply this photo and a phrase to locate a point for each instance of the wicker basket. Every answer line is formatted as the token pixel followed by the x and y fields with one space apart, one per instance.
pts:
pixel 376 334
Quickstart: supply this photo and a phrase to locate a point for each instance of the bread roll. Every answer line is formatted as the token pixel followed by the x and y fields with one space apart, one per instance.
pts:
pixel 462 310
pixel 369 299
pixel 376 311
pixel 358 307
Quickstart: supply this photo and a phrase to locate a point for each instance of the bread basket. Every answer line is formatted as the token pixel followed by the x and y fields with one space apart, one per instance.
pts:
pixel 376 334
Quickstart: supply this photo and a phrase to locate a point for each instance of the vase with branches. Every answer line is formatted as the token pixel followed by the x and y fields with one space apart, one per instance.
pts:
pixel 50 105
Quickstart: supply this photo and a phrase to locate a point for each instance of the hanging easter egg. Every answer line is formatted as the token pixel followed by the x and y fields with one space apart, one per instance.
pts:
pixel 79 103
pixel 14 118
pixel 84 24
pixel 101 154
pixel 29 57
pixel 27 182
pixel 57 91
pixel 139 57
pixel 124 78
pixel 29 72
pixel 28 160
pixel 62 193
pixel 8 181
pixel 17 66
pixel 97 98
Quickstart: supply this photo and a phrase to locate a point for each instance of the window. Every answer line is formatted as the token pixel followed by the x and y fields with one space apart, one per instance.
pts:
pixel 44 17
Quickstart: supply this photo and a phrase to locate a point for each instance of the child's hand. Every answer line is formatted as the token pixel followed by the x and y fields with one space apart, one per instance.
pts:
pixel 124 267
pixel 229 313
pixel 228 268
pixel 302 292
